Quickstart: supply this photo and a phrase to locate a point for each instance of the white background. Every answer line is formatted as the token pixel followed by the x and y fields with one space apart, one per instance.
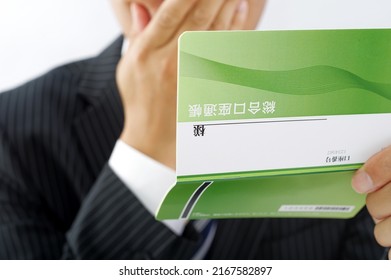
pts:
pixel 36 35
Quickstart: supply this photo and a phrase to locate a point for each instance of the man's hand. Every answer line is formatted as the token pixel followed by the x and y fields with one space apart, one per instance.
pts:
pixel 374 179
pixel 147 73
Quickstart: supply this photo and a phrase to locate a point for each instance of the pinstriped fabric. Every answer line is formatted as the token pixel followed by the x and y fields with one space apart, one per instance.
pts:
pixel 59 199
pixel 128 226
pixel 57 196
pixel 296 239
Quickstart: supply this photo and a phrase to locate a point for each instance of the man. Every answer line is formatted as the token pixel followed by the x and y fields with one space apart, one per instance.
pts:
pixel 88 150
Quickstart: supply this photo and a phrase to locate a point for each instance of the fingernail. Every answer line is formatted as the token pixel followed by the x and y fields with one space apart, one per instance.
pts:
pixel 362 182
pixel 243 6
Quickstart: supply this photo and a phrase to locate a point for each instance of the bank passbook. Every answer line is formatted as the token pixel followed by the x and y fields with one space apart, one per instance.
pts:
pixel 274 123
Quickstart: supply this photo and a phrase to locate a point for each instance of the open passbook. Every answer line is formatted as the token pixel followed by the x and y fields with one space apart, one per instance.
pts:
pixel 274 123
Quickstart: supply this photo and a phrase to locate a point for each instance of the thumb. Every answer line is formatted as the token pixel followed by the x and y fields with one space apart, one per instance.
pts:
pixel 374 174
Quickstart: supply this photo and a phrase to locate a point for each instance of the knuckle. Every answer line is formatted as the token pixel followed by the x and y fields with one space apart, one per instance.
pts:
pixel 378 203
pixel 369 204
pixel 200 17
pixel 167 19
pixel 139 56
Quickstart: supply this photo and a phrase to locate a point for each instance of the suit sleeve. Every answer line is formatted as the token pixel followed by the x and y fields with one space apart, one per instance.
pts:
pixel 110 224
pixel 134 169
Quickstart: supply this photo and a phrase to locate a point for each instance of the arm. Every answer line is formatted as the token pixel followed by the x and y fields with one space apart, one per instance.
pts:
pixel 110 224
pixel 146 75
pixel 113 224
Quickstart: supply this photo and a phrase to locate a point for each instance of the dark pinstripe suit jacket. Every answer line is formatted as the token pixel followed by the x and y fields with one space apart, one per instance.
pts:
pixel 59 199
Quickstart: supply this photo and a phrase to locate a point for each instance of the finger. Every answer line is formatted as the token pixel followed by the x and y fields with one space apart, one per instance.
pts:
pixel 383 232
pixel 379 203
pixel 122 11
pixel 241 14
pixel 375 173
pixel 256 8
pixel 166 22
pixel 202 16
pixel 225 16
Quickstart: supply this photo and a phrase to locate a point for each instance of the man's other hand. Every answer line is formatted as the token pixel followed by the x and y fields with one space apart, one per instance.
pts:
pixel 374 179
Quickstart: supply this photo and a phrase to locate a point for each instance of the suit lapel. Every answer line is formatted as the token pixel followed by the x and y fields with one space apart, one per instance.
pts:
pixel 100 122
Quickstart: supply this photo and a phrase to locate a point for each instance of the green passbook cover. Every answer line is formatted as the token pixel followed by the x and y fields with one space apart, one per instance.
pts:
pixel 274 123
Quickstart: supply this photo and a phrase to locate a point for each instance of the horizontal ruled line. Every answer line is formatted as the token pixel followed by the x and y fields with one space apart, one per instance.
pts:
pixel 266 122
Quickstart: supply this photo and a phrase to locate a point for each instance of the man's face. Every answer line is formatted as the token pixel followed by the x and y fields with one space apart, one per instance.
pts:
pixel 122 9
